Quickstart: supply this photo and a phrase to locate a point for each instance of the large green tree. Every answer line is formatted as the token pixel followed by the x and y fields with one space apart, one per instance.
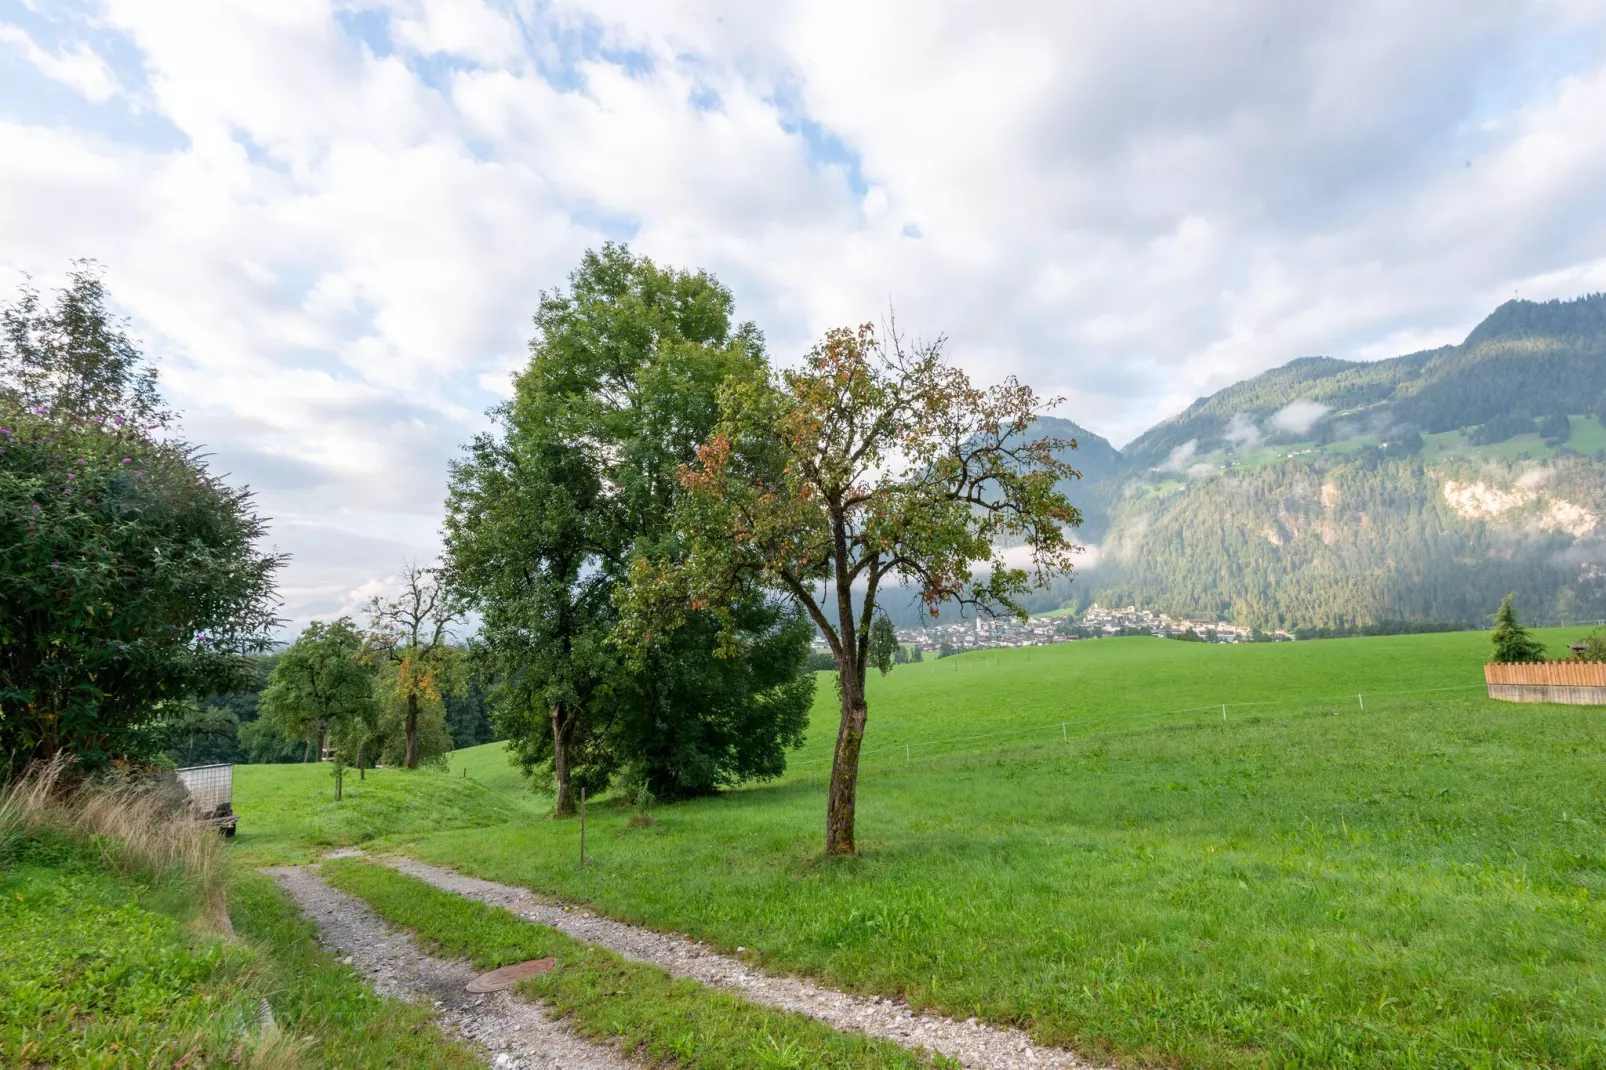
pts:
pixel 130 578
pixel 546 515
pixel 321 684
pixel 874 463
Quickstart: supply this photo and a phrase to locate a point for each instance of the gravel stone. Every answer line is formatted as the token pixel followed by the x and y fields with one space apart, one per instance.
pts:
pixel 510 1033
pixel 975 1044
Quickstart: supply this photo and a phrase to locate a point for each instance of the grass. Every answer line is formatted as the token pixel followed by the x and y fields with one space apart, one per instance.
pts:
pixel 1587 434
pixel 1415 884
pixel 637 1006
pixel 103 971
pixel 116 951
pixel 288 814
pixel 488 764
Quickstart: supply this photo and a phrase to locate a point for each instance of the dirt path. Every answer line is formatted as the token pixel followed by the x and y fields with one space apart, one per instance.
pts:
pixel 977 1045
pixel 514 1034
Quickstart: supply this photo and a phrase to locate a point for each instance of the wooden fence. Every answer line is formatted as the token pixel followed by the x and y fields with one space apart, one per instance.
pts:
pixel 1572 683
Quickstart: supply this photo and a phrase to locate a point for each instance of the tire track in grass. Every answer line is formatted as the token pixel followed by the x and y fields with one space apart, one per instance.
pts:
pixel 517 1035
pixel 975 1044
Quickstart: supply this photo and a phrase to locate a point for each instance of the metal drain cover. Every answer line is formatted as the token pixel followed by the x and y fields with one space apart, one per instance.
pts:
pixel 508 976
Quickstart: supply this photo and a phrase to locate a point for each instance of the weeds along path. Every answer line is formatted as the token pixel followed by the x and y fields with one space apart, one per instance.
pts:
pixel 518 1034
pixel 975 1044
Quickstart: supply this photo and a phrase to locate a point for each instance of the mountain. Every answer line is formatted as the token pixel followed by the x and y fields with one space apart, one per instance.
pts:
pixel 1093 456
pixel 1526 359
pixel 1331 493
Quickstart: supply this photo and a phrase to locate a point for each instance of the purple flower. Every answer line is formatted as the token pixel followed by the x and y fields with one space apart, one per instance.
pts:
pixel 5 430
pixel 118 420
pixel 128 460
pixel 35 507
pixel 82 461
pixel 72 475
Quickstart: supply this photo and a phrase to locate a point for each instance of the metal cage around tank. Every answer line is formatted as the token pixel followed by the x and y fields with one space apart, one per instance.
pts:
pixel 211 789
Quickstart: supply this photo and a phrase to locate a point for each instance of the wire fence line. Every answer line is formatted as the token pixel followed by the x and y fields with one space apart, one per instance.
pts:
pixel 908 747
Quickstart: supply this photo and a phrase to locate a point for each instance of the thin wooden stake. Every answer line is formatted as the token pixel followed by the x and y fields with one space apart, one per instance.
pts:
pixel 582 826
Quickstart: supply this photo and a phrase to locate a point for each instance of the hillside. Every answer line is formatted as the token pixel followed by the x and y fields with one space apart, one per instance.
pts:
pixel 1526 359
pixel 1334 493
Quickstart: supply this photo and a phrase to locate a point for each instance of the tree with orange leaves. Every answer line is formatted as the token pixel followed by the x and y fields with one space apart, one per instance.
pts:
pixel 412 630
pixel 874 464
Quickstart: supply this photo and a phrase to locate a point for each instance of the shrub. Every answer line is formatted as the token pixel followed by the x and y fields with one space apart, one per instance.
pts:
pixel 128 572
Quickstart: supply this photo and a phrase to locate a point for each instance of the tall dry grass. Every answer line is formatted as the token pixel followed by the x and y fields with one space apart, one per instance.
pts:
pixel 137 823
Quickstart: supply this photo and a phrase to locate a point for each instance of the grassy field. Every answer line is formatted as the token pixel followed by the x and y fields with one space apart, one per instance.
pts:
pixel 288 814
pixel 1115 867
pixel 488 764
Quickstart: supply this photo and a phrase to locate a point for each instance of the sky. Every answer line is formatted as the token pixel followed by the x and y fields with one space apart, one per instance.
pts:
pixel 330 222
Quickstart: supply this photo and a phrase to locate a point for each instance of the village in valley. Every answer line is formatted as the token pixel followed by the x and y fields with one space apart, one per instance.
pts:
pixel 1064 626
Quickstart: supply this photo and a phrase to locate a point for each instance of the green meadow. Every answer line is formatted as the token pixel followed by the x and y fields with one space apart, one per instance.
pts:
pixel 1360 861
pixel 289 816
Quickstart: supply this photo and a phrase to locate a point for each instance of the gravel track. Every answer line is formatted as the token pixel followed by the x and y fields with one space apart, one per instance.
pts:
pixel 511 1033
pixel 976 1044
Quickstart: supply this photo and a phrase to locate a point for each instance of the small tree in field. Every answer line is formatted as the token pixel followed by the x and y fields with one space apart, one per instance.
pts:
pixel 1512 642
pixel 319 685
pixel 884 648
pixel 412 631
pixel 875 463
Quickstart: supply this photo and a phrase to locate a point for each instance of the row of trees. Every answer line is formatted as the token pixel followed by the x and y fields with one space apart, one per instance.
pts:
pixel 648 539
pixel 661 517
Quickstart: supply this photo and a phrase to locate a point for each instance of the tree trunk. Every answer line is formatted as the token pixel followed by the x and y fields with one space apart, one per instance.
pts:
pixel 412 730
pixel 560 762
pixel 306 754
pixel 840 806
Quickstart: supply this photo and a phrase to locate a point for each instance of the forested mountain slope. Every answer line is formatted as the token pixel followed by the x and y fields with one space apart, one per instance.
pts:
pixel 1527 359
pixel 1331 493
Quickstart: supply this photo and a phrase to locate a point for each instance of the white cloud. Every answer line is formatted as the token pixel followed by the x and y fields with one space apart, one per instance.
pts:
pixel 76 66
pixel 1298 417
pixel 1241 432
pixel 1181 457
pixel 337 245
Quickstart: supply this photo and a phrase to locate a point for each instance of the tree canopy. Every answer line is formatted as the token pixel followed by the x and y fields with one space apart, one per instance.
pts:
pixel 545 516
pixel 874 463
pixel 412 631
pixel 130 575
pixel 320 685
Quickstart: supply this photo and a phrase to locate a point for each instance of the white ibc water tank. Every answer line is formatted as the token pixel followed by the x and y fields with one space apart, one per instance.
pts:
pixel 210 786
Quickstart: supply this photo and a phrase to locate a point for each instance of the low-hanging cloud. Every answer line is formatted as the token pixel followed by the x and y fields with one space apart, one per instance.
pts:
pixel 1241 432
pixel 1181 457
pixel 1298 417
